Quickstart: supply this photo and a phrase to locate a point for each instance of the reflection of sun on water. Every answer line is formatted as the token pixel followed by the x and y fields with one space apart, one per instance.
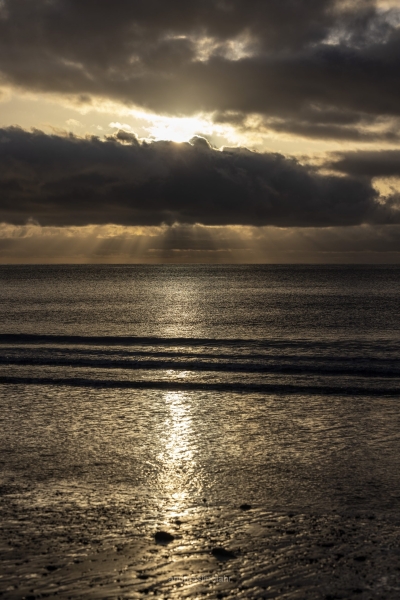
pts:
pixel 177 456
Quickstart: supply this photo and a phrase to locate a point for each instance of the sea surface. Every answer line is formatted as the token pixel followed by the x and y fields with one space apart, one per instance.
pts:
pixel 135 399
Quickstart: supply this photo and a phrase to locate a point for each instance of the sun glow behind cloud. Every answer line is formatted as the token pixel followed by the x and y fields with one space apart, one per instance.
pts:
pixel 178 129
pixel 60 115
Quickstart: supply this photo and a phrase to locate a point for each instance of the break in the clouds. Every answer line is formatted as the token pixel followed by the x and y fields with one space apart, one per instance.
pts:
pixel 59 181
pixel 317 68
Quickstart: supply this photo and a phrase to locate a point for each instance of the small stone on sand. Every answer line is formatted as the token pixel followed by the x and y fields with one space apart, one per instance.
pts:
pixel 245 507
pixel 222 554
pixel 51 568
pixel 163 537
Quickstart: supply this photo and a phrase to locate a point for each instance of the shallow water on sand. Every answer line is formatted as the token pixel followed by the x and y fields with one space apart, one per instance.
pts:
pixel 140 399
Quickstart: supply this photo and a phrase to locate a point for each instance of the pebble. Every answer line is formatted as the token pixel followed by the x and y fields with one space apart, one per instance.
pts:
pixel 163 537
pixel 222 554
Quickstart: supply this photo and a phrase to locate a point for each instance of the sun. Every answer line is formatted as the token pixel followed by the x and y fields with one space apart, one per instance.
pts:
pixel 176 129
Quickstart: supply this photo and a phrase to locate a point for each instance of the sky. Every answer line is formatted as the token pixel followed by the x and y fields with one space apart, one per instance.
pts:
pixel 220 131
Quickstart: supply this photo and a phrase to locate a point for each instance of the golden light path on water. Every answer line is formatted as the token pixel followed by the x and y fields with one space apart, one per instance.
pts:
pixel 177 456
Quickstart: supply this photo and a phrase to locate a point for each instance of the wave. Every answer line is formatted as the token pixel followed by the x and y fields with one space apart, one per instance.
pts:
pixel 285 366
pixel 195 365
pixel 286 389
pixel 107 340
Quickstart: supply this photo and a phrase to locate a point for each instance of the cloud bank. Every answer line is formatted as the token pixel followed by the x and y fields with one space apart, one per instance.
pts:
pixel 62 181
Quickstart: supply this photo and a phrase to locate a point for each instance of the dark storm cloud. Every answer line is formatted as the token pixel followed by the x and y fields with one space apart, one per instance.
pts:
pixel 316 122
pixel 99 32
pixel 71 181
pixel 350 80
pixel 333 132
pixel 147 52
pixel 369 164
pixel 335 124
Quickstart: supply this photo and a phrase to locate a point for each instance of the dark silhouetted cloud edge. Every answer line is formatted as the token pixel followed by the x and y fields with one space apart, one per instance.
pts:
pixel 64 181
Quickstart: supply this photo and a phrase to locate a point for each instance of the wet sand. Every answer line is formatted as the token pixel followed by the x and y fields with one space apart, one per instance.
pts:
pixel 129 395
pixel 89 478
pixel 68 551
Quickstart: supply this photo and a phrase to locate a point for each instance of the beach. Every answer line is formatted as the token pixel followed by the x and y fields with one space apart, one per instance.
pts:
pixel 249 412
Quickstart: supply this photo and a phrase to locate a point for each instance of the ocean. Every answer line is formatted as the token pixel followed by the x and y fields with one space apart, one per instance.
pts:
pixel 250 411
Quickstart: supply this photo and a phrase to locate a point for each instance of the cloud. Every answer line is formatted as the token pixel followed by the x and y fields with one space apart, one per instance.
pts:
pixel 277 58
pixel 384 163
pixel 329 131
pixel 64 181
pixel 318 123
pixel 72 181
pixel 264 72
